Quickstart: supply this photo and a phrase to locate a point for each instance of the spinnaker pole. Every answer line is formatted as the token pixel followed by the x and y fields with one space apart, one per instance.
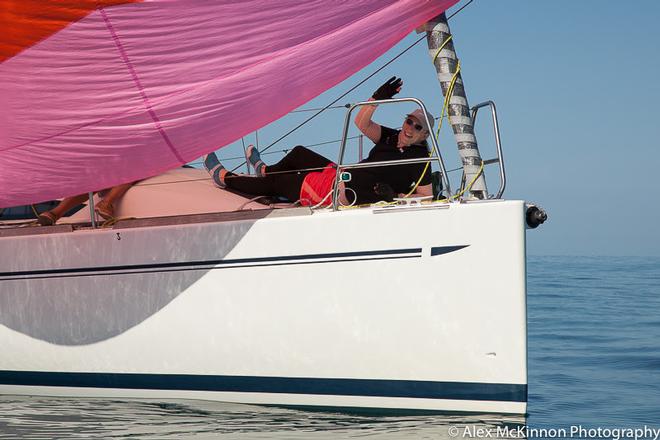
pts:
pixel 439 38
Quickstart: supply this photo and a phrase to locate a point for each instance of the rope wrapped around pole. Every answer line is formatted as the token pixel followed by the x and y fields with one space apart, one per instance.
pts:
pixel 445 60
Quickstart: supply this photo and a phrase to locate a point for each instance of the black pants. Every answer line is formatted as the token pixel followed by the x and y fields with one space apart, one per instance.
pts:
pixel 283 179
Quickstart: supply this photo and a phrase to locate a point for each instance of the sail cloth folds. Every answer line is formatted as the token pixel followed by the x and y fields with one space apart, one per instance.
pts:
pixel 94 93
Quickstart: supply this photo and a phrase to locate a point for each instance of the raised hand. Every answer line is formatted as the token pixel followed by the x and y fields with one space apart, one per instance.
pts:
pixel 391 87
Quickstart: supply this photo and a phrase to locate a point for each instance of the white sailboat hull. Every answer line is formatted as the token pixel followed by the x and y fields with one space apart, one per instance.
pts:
pixel 389 308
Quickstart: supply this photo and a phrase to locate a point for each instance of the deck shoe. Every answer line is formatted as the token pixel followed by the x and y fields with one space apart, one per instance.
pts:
pixel 254 159
pixel 214 168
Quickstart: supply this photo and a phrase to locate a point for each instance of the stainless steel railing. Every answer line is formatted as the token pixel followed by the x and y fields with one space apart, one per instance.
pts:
pixel 342 149
pixel 496 129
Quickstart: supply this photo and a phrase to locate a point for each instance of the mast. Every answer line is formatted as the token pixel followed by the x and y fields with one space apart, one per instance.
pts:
pixel 446 64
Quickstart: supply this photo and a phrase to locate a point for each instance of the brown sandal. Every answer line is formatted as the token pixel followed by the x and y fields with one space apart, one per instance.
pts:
pixel 47 219
pixel 105 210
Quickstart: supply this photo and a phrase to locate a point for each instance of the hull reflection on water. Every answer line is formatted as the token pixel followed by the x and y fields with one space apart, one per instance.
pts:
pixel 31 417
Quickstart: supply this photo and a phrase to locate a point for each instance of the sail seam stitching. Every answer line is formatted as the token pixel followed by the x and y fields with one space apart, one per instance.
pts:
pixel 139 86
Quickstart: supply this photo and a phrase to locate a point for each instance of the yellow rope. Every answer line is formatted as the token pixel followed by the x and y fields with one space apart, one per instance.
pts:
pixel 114 220
pixel 445 107
pixel 442 46
pixel 469 186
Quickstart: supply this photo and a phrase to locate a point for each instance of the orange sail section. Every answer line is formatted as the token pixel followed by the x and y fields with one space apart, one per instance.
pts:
pixel 26 22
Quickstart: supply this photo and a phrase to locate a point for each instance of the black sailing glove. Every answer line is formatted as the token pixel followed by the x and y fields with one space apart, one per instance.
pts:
pixel 389 89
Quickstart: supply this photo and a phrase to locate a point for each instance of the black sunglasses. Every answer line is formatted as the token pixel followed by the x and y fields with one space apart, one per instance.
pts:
pixel 416 126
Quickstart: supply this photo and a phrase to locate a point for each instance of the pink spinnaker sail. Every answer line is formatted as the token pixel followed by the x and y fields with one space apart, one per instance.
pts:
pixel 126 89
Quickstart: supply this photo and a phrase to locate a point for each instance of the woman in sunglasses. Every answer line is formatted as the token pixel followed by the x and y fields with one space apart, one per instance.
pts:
pixel 409 142
pixel 305 176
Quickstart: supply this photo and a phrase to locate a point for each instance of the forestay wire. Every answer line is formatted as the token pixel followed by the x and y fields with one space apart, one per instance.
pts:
pixel 415 43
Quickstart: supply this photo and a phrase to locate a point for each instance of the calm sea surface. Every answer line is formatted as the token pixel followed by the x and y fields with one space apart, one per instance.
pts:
pixel 594 361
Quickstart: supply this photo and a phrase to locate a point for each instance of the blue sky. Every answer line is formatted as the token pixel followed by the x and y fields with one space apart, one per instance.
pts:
pixel 576 87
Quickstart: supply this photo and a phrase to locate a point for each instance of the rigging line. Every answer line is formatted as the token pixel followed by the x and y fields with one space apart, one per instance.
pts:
pixel 203 179
pixel 284 150
pixel 247 165
pixel 459 9
pixel 169 182
pixel 342 95
pixel 450 92
pixel 329 108
pixel 353 88
pixel 271 173
pixel 225 159
pixel 319 108
pixel 34 211
pixel 330 142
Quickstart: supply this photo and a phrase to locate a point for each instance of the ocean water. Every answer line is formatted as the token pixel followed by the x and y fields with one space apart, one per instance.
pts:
pixel 594 362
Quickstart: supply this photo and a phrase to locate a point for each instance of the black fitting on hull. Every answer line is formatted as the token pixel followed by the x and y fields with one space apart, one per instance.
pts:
pixel 535 216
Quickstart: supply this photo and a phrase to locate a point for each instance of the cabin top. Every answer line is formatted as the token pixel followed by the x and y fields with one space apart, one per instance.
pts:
pixel 179 196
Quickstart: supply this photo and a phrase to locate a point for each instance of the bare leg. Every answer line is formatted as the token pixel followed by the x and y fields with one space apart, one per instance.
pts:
pixel 117 192
pixel 68 203
pixel 105 207
pixel 51 217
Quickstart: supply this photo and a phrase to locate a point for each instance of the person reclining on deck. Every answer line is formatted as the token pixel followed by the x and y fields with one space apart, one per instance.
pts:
pixel 309 177
pixel 104 208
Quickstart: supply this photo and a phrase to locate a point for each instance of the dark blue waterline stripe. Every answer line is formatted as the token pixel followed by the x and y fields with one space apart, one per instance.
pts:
pixel 187 269
pixel 290 385
pixel 213 262
pixel 446 249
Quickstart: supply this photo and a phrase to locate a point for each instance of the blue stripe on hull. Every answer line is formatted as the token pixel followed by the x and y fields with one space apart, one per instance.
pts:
pixel 289 385
pixel 227 263
pixel 192 265
pixel 446 249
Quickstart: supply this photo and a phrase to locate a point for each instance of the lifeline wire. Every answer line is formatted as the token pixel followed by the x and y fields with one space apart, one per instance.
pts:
pixel 285 150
